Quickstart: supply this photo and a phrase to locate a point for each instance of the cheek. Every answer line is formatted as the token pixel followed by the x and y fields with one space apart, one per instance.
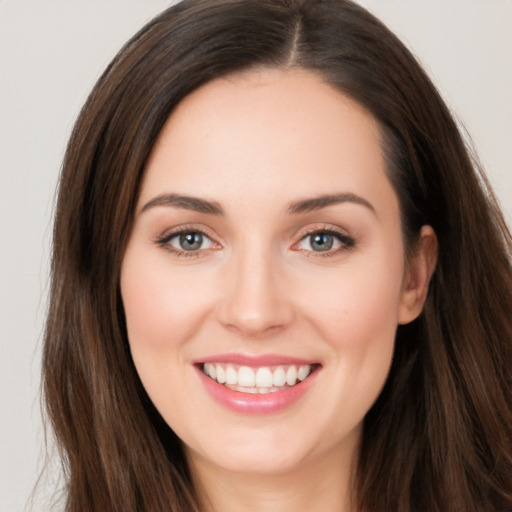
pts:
pixel 356 315
pixel 356 312
pixel 163 310
pixel 359 302
pixel 162 307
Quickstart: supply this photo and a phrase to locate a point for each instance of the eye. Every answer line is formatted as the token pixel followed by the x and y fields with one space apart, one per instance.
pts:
pixel 189 242
pixel 325 241
pixel 320 242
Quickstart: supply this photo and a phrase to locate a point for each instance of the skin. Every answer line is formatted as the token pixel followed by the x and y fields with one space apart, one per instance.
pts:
pixel 256 286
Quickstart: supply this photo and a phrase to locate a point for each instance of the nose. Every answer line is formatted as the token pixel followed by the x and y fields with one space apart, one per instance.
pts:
pixel 255 301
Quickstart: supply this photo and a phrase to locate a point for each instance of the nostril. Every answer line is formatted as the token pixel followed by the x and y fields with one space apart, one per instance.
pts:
pixel 254 321
pixel 254 302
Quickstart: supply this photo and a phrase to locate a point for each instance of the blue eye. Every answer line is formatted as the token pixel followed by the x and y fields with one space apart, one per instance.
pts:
pixel 190 241
pixel 321 242
pixel 325 241
pixel 186 242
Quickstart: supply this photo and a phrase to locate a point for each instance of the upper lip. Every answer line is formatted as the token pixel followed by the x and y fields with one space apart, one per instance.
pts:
pixel 255 360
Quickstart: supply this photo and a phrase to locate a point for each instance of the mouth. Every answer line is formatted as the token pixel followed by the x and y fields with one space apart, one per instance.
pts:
pixel 259 379
pixel 256 384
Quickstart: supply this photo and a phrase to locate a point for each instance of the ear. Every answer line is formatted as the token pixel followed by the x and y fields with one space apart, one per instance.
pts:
pixel 418 271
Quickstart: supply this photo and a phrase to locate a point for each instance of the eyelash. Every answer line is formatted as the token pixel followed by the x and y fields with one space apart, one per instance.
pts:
pixel 347 242
pixel 164 240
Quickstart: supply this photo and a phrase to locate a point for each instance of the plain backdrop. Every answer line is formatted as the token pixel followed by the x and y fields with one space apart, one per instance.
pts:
pixel 51 53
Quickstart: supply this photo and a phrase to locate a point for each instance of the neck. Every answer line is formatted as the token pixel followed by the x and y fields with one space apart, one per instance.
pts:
pixel 322 483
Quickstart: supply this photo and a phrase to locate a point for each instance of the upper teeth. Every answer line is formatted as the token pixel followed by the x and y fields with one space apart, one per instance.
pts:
pixel 257 380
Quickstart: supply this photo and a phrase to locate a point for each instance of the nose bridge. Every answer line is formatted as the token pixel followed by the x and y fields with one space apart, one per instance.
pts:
pixel 255 301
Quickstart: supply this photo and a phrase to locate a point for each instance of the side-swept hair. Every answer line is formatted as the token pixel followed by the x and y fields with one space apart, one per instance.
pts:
pixel 439 436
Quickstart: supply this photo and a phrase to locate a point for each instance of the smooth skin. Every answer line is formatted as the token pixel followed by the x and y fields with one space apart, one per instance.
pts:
pixel 255 146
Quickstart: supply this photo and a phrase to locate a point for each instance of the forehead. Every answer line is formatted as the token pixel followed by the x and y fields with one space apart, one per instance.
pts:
pixel 281 131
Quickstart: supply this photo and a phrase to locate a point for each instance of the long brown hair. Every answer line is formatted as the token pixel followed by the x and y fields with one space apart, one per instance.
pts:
pixel 439 436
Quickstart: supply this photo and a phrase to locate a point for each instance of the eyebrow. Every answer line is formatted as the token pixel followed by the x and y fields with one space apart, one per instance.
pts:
pixel 185 202
pixel 323 201
pixel 214 208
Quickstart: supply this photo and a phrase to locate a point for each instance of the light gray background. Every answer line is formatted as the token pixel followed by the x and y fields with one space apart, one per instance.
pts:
pixel 52 51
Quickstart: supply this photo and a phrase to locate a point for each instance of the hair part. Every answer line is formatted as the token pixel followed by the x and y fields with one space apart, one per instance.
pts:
pixel 438 436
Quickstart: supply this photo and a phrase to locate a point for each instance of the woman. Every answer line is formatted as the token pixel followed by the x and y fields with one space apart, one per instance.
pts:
pixel 279 282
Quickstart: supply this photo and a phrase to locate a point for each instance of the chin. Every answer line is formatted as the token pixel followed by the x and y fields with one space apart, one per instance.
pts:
pixel 270 461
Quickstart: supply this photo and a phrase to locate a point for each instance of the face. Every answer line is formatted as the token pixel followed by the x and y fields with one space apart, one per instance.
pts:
pixel 267 253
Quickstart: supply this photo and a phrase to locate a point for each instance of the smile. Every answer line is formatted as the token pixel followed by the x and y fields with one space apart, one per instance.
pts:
pixel 256 385
pixel 262 380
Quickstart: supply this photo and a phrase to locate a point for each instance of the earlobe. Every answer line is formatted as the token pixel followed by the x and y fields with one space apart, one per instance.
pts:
pixel 419 269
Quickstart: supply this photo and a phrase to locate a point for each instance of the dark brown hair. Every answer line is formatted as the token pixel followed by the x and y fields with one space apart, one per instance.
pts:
pixel 439 436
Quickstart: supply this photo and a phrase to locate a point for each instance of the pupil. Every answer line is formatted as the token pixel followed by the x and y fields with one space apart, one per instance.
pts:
pixel 322 242
pixel 191 241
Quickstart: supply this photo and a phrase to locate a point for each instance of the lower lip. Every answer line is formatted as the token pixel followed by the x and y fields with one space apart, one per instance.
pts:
pixel 256 403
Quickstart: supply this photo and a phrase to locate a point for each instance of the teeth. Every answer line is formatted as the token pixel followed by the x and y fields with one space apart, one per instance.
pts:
pixel 303 372
pixel 231 375
pixel 221 374
pixel 291 376
pixel 246 377
pixel 264 378
pixel 279 377
pixel 257 380
pixel 210 371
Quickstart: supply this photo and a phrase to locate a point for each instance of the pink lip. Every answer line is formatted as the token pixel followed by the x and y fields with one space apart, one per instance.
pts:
pixel 255 361
pixel 255 403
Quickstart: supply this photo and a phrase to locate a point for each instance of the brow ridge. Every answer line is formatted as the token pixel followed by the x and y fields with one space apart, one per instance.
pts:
pixel 214 208
pixel 323 201
pixel 185 202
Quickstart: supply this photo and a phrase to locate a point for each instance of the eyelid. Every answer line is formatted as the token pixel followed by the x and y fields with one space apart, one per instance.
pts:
pixel 348 242
pixel 164 239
